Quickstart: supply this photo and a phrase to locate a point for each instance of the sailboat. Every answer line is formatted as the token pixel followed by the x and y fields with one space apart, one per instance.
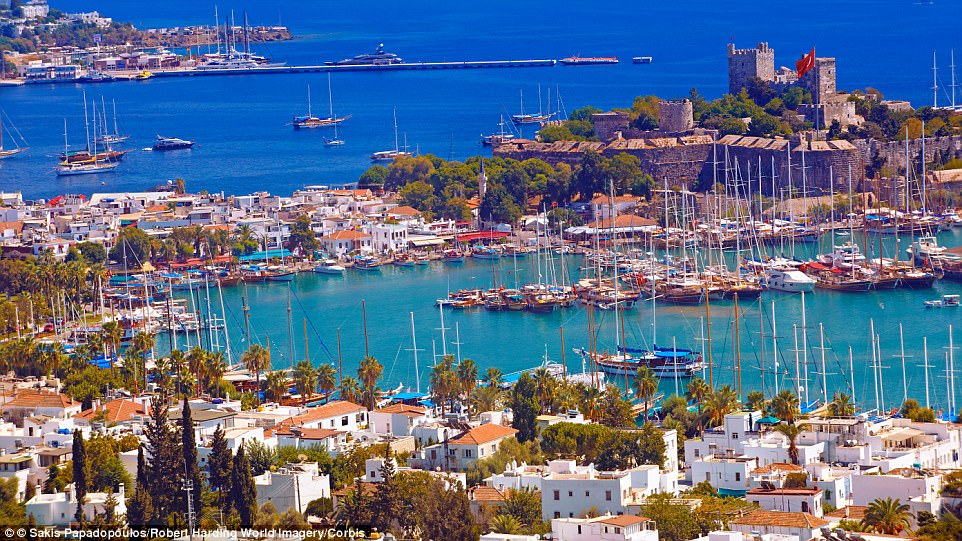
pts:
pixel 496 139
pixel 531 118
pixel 310 121
pixel 390 155
pixel 115 137
pixel 6 153
pixel 83 167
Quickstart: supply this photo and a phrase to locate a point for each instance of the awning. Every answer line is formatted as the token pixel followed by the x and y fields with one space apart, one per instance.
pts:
pixel 426 242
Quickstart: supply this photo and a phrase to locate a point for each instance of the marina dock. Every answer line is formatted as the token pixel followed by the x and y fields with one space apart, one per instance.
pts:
pixel 323 68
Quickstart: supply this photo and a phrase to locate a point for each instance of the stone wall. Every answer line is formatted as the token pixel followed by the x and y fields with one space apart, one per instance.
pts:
pixel 675 116
pixel 893 152
pixel 820 80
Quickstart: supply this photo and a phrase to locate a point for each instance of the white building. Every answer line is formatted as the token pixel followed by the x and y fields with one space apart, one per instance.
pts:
pixel 604 528
pixel 388 237
pixel 459 452
pixel 59 509
pixel 292 487
pixel 801 500
pixel 801 525
pixel 34 9
pixel 728 474
pixel 398 419
pixel 919 489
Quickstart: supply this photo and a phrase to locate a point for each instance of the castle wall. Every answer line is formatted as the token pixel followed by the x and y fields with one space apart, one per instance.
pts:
pixel 743 64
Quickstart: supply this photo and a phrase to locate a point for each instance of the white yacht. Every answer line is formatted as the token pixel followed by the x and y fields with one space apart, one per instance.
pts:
pixel 329 266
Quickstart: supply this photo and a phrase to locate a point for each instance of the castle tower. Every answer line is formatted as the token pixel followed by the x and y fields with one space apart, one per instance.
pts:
pixel 675 116
pixel 820 80
pixel 743 64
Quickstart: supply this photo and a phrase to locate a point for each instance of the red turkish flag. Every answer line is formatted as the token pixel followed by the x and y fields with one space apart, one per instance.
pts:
pixel 806 63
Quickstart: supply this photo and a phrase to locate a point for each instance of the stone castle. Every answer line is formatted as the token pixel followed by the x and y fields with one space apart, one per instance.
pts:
pixel 689 156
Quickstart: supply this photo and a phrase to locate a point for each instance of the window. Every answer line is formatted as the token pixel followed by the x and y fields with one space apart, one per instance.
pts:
pixel 734 435
pixel 697 453
pixel 570 494
pixel 344 421
pixel 373 474
pixel 587 494
pixel 467 453
pixel 557 514
pixel 708 476
pixel 804 507
pixel 738 476
pixel 579 529
pixel 557 495
pixel 607 495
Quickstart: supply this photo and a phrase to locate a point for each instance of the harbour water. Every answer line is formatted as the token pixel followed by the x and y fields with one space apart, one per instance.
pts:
pixel 239 122
pixel 244 145
pixel 512 341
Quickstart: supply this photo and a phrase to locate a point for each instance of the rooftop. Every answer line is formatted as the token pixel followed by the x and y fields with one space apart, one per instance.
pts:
pixel 780 518
pixel 483 434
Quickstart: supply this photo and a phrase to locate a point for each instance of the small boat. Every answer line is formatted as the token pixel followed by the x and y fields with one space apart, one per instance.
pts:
pixel 403 260
pixel 788 280
pixel 453 256
pixel 367 263
pixel 530 118
pixel 641 60
pixel 171 143
pixel 588 60
pixel 485 252
pixel 947 301
pixel 391 155
pixel 143 75
pixel 328 266
pixel 280 274
pixel 496 139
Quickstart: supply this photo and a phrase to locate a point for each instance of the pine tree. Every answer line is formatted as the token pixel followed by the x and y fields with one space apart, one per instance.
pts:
pixel 189 447
pixel 219 465
pixel 140 510
pixel 386 505
pixel 164 471
pixel 79 473
pixel 243 493
pixel 525 408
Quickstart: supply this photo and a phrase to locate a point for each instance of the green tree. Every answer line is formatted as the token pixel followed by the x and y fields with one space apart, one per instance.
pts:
pixel 615 411
pixel 79 474
pixel 326 376
pixel 373 178
pixel 256 358
pixel 785 406
pixel 888 516
pixel 243 494
pixel 163 472
pixel 645 385
pixel 755 401
pixel 140 509
pixel 302 235
pixel 841 405
pixel 189 447
pixel 219 464
pixel 525 506
pixel 696 391
pixel 791 432
pixel 132 246
pixel 507 524
pixel 305 380
pixel 92 252
pixel 525 408
pixel 369 373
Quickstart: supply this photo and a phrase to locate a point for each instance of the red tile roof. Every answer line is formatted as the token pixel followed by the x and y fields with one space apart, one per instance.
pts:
pixel 347 234
pixel 852 512
pixel 404 409
pixel 780 518
pixel 308 433
pixel 484 493
pixel 331 409
pixel 404 210
pixel 806 491
pixel 32 398
pixel 116 411
pixel 779 467
pixel 483 434
pixel 623 520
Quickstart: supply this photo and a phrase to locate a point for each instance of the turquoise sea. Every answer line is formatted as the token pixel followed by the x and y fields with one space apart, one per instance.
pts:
pixel 243 145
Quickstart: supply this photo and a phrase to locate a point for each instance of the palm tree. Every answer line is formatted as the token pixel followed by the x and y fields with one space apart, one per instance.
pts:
pixel 645 385
pixel 214 370
pixel 785 406
pixel 369 372
pixel 196 360
pixel 141 345
pixel 275 386
pixel 591 402
pixel 326 380
pixel 506 524
pixel 350 389
pixel 493 376
pixel 544 384
pixel 177 364
pixel 841 405
pixel 888 516
pixel 720 403
pixel 755 401
pixel 112 333
pixel 791 432
pixel 442 380
pixel 467 374
pixel 305 380
pixel 697 390
pixel 486 398
pixel 256 359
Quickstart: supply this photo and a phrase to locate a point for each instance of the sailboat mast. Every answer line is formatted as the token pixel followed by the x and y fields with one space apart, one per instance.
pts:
pixel 309 114
pixel 414 347
pixel 395 131
pixel 86 121
pixel 330 97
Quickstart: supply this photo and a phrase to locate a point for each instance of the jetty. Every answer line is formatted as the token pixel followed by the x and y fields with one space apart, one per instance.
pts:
pixel 407 66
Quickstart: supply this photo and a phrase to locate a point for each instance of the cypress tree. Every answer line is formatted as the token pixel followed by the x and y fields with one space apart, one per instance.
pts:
pixel 525 408
pixel 189 447
pixel 79 473
pixel 219 465
pixel 140 509
pixel 164 472
pixel 243 493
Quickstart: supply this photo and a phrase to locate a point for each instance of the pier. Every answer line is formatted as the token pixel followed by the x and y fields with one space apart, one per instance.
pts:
pixel 323 68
